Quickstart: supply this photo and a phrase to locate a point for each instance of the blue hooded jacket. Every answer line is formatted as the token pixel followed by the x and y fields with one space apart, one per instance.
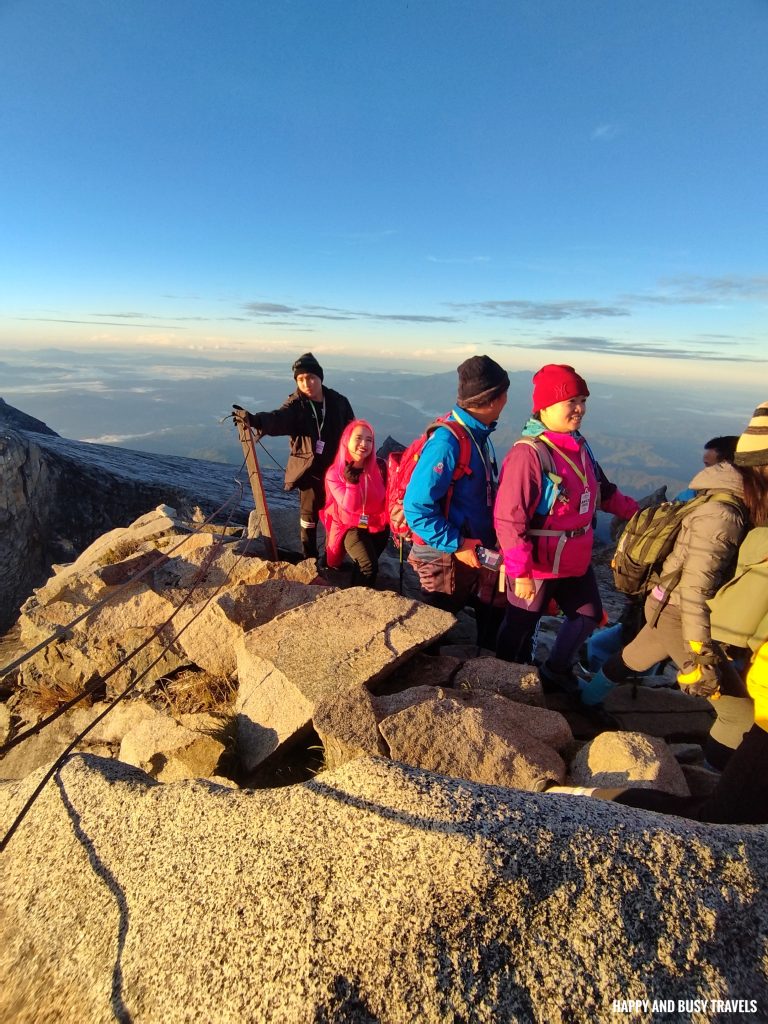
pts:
pixel 469 514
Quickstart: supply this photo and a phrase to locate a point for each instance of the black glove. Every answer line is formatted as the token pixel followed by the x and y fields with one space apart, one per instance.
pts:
pixel 351 473
pixel 240 415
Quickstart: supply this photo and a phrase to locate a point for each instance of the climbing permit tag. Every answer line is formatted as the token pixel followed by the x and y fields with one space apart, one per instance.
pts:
pixel 319 445
pixel 584 503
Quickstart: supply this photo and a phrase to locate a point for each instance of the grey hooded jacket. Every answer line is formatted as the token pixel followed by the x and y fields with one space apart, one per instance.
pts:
pixel 706 548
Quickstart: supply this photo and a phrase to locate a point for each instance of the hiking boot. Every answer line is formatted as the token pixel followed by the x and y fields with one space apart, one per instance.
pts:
pixel 557 681
pixel 597 689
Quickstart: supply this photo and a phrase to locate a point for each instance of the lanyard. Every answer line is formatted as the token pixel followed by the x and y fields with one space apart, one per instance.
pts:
pixel 365 489
pixel 581 475
pixel 488 465
pixel 319 424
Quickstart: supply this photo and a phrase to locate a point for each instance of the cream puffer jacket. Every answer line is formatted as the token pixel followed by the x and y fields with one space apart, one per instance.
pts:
pixel 705 550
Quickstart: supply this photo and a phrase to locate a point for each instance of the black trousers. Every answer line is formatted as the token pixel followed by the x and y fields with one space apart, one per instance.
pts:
pixel 741 795
pixel 577 596
pixel 311 500
pixel 365 548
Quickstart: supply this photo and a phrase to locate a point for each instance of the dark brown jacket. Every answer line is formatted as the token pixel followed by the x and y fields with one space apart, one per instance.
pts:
pixel 296 419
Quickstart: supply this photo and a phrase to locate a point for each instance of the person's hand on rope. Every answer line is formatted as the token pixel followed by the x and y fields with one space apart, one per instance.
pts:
pixel 247 419
pixel 701 673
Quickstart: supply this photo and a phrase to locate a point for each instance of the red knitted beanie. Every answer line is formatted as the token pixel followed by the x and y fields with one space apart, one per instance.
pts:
pixel 556 383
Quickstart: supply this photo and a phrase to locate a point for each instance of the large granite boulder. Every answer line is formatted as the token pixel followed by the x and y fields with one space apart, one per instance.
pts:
pixel 171 750
pixel 616 759
pixel 210 638
pixel 374 893
pixel 483 737
pixel 479 736
pixel 154 575
pixel 97 645
pixel 26 491
pixel 349 640
pixel 518 682
pixel 134 730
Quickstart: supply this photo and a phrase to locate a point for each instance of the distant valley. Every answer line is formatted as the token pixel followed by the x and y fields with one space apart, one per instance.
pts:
pixel 171 403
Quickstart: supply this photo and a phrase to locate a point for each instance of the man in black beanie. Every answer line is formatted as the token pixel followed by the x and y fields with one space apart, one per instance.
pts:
pixel 314 417
pixel 447 533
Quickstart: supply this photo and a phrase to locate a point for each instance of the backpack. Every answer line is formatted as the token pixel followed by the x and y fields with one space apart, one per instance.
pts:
pixel 400 467
pixel 550 481
pixel 649 537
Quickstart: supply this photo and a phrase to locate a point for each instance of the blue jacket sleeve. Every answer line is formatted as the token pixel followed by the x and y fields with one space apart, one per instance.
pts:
pixel 429 483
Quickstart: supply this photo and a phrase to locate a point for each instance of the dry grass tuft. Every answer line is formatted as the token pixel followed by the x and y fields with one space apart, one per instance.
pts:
pixel 120 550
pixel 190 691
pixel 49 694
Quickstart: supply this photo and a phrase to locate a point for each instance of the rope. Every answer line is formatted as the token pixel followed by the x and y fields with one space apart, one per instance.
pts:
pixel 97 683
pixel 254 433
pixel 131 686
pixel 258 441
pixel 62 630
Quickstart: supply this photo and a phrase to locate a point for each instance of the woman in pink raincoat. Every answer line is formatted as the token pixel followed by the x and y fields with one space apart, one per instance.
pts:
pixel 355 512
pixel 549 489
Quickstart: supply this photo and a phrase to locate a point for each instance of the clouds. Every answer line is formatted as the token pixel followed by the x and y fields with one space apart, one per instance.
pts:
pixel 697 290
pixel 604 132
pixel 268 309
pixel 524 309
pixel 125 322
pixel 684 290
pixel 576 344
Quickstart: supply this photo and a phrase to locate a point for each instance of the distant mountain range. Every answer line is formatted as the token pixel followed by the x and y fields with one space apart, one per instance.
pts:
pixel 177 403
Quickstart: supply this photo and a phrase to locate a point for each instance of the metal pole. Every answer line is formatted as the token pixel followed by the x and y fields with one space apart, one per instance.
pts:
pixel 261 512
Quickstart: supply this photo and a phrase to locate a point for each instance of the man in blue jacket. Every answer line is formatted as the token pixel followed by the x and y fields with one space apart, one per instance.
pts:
pixel 444 552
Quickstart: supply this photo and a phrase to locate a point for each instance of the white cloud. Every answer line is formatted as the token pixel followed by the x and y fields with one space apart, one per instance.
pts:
pixel 604 132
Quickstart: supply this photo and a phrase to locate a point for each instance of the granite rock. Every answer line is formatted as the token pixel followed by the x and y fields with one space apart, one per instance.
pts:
pixel 630 759
pixel 309 654
pixel 482 737
pixel 376 892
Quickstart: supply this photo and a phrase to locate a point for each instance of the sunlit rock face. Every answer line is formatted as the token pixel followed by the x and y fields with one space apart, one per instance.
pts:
pixel 376 892
pixel 58 495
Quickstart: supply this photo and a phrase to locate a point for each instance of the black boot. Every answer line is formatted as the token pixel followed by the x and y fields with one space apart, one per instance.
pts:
pixel 309 542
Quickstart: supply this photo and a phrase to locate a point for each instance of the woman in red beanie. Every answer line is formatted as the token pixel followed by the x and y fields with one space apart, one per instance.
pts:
pixel 355 513
pixel 549 489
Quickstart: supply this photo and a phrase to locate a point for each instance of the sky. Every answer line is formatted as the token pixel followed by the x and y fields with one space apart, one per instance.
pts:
pixel 394 182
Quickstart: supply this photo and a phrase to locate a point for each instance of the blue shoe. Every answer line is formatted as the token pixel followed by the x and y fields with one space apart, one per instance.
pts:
pixel 596 690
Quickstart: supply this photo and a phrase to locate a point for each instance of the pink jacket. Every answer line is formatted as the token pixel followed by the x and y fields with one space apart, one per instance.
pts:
pixel 567 550
pixel 346 502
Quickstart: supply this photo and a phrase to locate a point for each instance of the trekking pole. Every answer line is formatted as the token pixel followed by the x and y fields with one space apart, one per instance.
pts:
pixel 402 566
pixel 257 486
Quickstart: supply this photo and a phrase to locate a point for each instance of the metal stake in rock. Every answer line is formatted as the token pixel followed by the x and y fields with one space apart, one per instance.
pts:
pixel 259 523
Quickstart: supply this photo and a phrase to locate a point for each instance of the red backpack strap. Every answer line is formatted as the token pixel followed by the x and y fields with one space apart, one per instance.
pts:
pixel 462 467
pixel 465 444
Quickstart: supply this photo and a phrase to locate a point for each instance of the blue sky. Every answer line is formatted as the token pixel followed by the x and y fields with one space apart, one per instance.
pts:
pixel 407 182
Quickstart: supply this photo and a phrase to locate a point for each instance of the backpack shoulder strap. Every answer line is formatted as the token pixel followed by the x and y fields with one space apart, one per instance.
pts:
pixel 727 498
pixel 465 445
pixel 542 450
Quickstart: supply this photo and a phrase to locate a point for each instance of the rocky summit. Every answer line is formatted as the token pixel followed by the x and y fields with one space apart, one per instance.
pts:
pixel 375 892
pixel 295 802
